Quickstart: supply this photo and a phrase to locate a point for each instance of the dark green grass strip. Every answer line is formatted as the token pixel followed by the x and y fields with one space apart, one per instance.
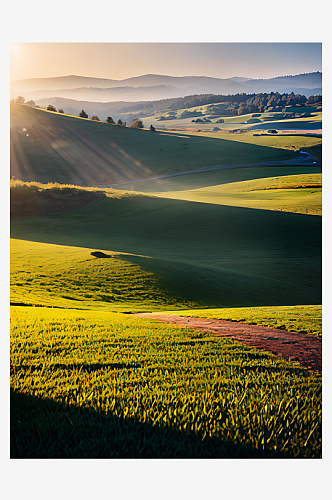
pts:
pixel 214 241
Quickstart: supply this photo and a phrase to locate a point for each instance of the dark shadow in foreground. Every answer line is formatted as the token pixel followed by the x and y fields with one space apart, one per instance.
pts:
pixel 45 429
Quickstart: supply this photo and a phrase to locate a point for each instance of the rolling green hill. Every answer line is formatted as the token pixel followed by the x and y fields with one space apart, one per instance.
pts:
pixel 211 254
pixel 51 147
pixel 294 193
pixel 86 380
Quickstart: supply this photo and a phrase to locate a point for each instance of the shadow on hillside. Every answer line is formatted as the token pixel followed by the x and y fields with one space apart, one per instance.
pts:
pixel 221 255
pixel 223 287
pixel 45 429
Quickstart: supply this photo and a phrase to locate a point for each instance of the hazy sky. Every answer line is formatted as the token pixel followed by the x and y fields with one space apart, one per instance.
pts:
pixel 124 60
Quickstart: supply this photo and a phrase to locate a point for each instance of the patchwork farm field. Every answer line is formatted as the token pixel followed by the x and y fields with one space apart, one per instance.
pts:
pixel 90 380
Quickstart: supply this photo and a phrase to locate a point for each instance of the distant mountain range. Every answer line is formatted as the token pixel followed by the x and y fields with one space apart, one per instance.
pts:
pixel 157 87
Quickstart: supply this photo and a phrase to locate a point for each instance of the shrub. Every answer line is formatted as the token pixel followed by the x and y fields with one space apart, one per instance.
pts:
pixel 60 111
pixel 51 108
pixel 95 118
pixel 137 124
pixel 83 114
pixel 20 100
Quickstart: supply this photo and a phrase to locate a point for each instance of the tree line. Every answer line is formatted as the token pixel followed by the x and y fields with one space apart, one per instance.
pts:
pixel 137 123
pixel 229 105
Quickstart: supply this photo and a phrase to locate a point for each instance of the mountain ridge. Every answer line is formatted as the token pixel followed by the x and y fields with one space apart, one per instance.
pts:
pixel 149 87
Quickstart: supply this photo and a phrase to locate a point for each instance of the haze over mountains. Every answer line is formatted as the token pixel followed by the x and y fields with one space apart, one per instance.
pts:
pixel 157 87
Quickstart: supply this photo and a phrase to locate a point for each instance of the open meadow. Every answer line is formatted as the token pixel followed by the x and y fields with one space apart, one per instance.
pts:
pixel 49 147
pixel 90 380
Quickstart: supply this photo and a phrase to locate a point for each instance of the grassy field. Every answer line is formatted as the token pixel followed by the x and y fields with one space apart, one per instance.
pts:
pixel 217 177
pixel 50 147
pixel 90 382
pixel 202 250
pixel 97 385
pixel 279 141
pixel 69 277
pixel 302 319
pixel 296 193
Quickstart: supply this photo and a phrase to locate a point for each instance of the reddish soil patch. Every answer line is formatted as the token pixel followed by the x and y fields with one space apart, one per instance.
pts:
pixel 292 346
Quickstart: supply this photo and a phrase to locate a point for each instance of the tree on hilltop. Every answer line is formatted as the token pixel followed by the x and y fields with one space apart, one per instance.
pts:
pixel 119 122
pixel 152 128
pixel 51 108
pixel 110 120
pixel 83 114
pixel 20 100
pixel 60 111
pixel 31 103
pixel 137 124
pixel 95 118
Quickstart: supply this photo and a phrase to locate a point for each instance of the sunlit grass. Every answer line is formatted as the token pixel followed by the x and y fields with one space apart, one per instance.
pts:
pixel 296 193
pixel 70 277
pixel 157 375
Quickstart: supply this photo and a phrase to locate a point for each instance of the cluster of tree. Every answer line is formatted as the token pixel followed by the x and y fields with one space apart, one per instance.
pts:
pixel 229 103
pixel 21 100
pixel 95 118
pixel 314 99
pixel 52 108
pixel 109 119
pixel 261 103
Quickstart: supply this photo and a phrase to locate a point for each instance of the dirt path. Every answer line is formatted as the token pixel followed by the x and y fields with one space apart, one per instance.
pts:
pixel 292 346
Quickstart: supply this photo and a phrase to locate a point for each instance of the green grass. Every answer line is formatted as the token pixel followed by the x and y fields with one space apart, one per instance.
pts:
pixel 296 193
pixel 98 384
pixel 286 142
pixel 302 319
pixel 217 177
pixel 69 277
pixel 50 147
pixel 89 382
pixel 210 253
